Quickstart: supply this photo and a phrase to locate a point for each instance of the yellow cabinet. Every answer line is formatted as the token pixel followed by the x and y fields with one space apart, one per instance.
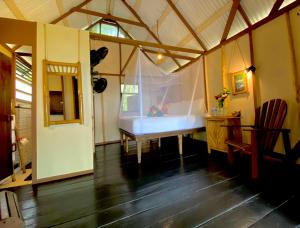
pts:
pixel 216 134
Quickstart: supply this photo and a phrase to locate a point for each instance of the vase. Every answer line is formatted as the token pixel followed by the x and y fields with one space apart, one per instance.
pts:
pixel 221 109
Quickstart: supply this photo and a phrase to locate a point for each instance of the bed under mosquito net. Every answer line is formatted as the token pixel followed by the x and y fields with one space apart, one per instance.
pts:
pixel 155 104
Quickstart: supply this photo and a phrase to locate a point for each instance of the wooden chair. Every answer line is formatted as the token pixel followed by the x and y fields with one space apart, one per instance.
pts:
pixel 264 134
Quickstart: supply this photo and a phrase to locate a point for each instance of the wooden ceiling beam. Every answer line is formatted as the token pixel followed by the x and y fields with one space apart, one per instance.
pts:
pixel 95 36
pixel 61 9
pixel 244 15
pixel 68 13
pixel 24 54
pixel 108 16
pixel 147 28
pixel 187 64
pixel 220 12
pixel 128 60
pixel 187 25
pixel 14 9
pixel 230 19
pixel 169 55
pixel 276 7
pixel 93 24
pixel 258 24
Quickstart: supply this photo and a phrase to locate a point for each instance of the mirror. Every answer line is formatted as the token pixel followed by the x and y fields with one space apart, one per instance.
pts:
pixel 62 93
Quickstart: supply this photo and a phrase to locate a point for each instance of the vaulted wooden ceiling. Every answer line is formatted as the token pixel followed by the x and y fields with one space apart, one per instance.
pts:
pixel 200 25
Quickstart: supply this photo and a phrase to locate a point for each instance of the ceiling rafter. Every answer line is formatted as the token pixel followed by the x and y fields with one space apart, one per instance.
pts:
pixel 169 55
pixel 130 37
pixel 69 12
pixel 230 19
pixel 244 15
pixel 88 17
pixel 276 7
pixel 14 9
pixel 108 16
pixel 187 25
pixel 206 23
pixel 61 9
pixel 96 36
pixel 147 28
pixel 93 24
pixel 258 24
pixel 136 7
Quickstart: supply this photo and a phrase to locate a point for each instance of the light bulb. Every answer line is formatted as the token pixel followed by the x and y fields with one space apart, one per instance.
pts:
pixel 159 56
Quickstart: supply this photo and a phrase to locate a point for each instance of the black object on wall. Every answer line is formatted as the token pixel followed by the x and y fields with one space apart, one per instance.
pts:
pixel 96 56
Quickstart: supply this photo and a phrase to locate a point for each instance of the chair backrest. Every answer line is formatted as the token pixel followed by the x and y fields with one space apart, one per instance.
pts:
pixel 271 115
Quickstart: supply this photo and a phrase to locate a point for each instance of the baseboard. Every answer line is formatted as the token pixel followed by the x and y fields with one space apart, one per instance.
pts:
pixel 64 176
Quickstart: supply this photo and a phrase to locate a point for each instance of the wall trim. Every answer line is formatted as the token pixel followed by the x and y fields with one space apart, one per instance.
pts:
pixel 63 176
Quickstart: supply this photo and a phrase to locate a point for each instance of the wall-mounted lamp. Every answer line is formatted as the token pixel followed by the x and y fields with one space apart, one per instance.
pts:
pixel 251 68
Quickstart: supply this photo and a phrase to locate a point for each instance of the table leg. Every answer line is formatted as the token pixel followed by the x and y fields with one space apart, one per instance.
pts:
pixel 126 144
pixel 139 151
pixel 180 144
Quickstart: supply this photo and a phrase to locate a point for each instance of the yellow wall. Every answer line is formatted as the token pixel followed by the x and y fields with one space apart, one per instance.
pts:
pixel 232 57
pixel 273 58
pixel 275 76
pixel 67 148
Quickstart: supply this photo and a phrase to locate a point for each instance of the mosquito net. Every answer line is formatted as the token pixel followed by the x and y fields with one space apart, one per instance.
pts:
pixel 148 92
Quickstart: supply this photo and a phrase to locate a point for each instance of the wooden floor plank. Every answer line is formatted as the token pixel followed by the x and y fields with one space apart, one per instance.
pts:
pixel 164 191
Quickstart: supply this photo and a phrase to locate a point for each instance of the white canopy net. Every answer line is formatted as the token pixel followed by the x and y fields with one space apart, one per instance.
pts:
pixel 149 93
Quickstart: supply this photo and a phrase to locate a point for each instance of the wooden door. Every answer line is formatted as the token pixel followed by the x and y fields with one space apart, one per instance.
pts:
pixel 5 117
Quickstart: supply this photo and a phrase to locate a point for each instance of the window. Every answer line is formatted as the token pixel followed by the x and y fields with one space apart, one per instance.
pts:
pixel 128 93
pixel 23 80
pixel 109 28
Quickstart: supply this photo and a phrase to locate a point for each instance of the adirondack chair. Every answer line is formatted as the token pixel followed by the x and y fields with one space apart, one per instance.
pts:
pixel 264 134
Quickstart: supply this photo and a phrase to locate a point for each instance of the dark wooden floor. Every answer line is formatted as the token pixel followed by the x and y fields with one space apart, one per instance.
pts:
pixel 165 191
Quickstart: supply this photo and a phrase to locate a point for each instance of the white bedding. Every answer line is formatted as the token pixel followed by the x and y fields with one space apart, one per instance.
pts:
pixel 148 125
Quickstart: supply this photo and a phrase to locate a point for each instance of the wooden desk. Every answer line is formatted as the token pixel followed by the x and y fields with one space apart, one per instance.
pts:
pixel 216 135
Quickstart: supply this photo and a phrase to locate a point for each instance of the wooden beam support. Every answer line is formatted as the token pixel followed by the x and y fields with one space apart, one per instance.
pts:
pixel 108 74
pixel 244 15
pixel 187 25
pixel 231 16
pixel 276 7
pixel 258 24
pixel 108 16
pixel 128 60
pixel 169 55
pixel 147 28
pixel 24 54
pixel 14 9
pixel 220 12
pixel 72 10
pixel 187 64
pixel 95 36
pixel 93 24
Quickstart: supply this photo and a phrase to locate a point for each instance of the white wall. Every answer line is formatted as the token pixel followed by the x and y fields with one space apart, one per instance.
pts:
pixel 107 104
pixel 67 148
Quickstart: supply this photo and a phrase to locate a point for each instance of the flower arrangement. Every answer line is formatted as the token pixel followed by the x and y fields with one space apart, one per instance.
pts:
pixel 221 97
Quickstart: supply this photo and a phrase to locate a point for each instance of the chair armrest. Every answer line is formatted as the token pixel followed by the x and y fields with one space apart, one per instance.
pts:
pixel 283 130
pixel 224 125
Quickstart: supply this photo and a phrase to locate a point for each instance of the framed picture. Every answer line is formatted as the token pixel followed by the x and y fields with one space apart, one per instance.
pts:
pixel 239 82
